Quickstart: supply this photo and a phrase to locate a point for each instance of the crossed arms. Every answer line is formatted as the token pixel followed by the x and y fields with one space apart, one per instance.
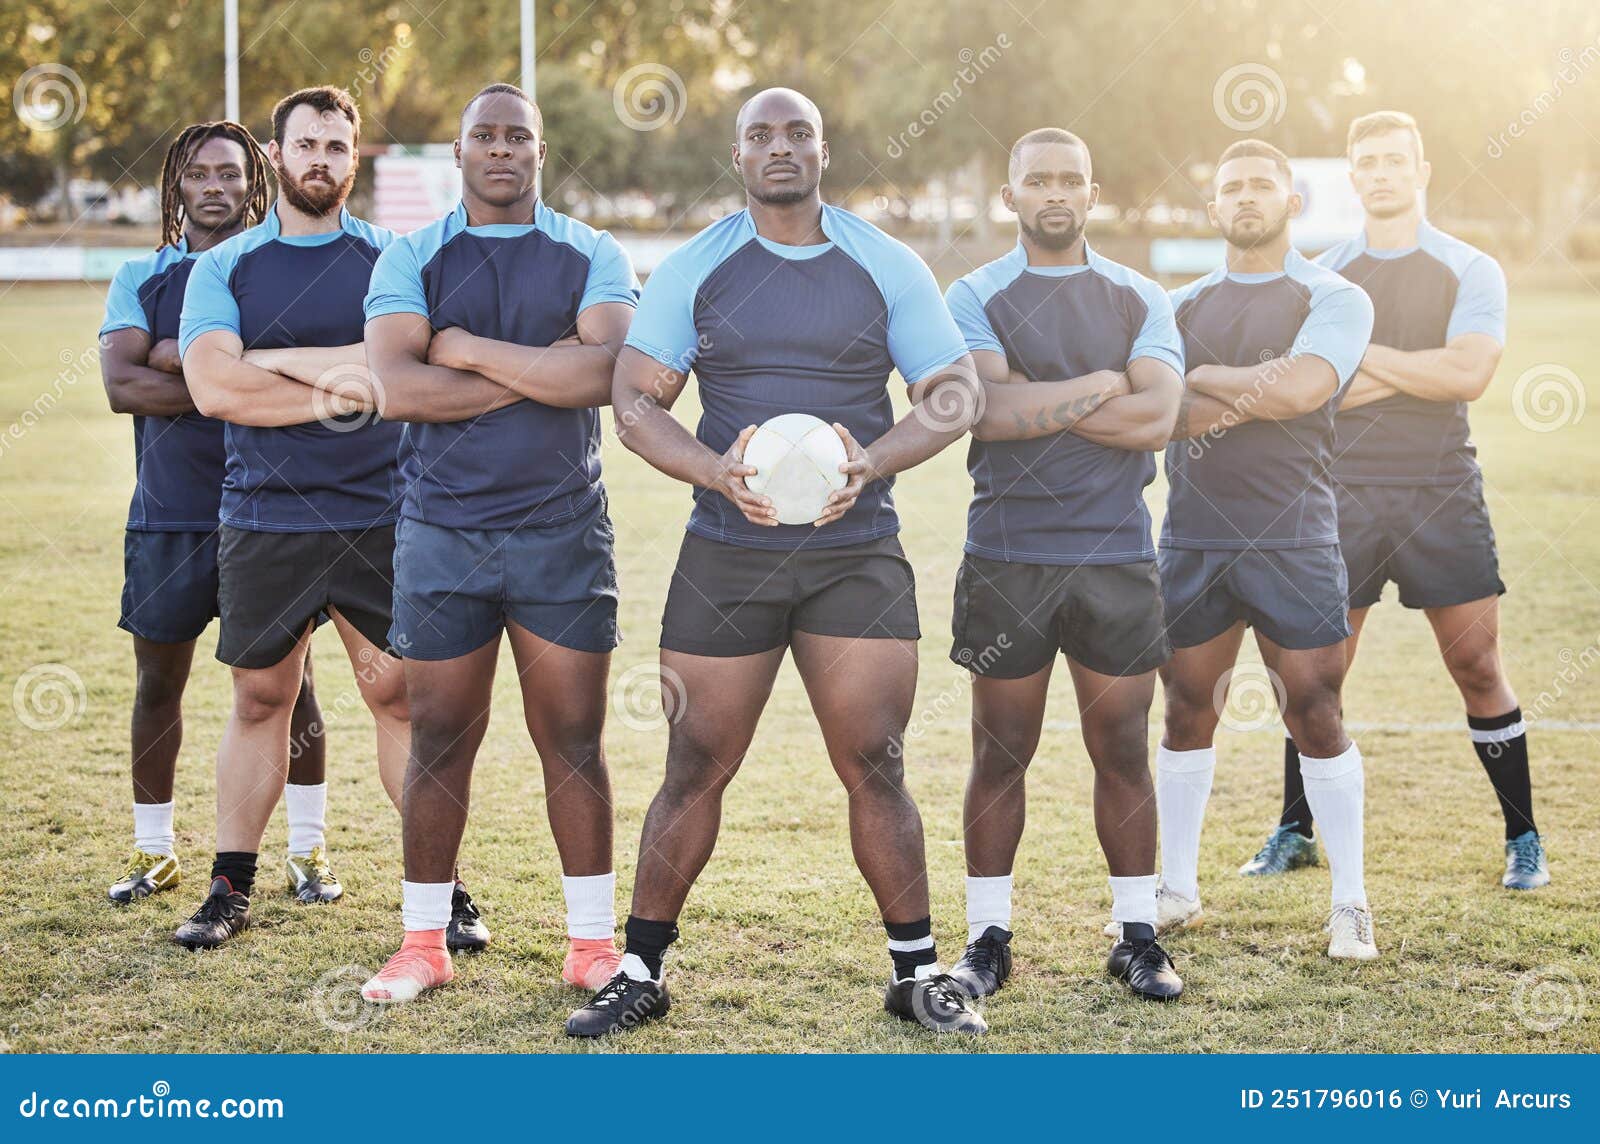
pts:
pixel 1458 371
pixel 1131 409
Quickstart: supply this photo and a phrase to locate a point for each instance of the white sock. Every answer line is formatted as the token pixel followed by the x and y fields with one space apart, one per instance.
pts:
pixel 152 827
pixel 307 807
pixel 590 913
pixel 1134 899
pixel 633 965
pixel 1183 784
pixel 425 905
pixel 1336 792
pixel 988 904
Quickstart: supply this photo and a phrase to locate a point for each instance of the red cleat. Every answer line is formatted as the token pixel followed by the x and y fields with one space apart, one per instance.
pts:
pixel 591 962
pixel 422 963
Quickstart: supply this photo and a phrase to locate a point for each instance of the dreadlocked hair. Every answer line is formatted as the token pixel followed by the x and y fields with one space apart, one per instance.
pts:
pixel 182 152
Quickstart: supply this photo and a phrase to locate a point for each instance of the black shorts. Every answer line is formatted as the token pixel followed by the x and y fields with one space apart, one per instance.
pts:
pixel 273 584
pixel 728 600
pixel 1296 597
pixel 1010 619
pixel 1434 541
pixel 169 587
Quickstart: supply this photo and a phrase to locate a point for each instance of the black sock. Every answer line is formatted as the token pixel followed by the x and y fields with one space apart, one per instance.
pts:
pixel 1296 810
pixel 918 933
pixel 1506 761
pixel 648 941
pixel 238 867
pixel 1138 931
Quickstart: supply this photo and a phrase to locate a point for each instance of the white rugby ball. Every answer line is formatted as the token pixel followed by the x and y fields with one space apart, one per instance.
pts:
pixel 796 458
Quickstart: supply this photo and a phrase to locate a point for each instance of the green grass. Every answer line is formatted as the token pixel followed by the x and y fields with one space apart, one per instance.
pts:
pixel 781 948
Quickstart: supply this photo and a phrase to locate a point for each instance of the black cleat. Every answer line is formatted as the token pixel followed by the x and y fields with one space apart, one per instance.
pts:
pixel 986 964
pixel 224 913
pixel 621 1004
pixel 939 1003
pixel 466 931
pixel 1147 969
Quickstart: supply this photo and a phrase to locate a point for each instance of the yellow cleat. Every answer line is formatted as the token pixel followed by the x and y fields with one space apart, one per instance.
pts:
pixel 311 879
pixel 145 874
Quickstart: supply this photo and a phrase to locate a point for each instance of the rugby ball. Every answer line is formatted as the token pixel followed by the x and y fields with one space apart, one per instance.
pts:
pixel 796 458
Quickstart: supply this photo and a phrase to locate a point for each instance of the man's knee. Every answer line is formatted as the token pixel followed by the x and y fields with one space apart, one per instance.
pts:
pixel 1002 753
pixel 1476 669
pixel 263 696
pixel 157 690
pixel 700 761
pixel 1315 722
pixel 1118 742
pixel 1191 717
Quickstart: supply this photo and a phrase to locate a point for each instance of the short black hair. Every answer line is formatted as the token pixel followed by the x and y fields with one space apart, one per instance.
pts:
pixel 1257 149
pixel 507 89
pixel 323 98
pixel 1042 135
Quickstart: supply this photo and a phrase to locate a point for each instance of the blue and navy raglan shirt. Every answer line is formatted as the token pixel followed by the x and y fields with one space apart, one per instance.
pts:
pixel 1424 295
pixel 772 329
pixel 1263 484
pixel 276 291
pixel 528 463
pixel 177 461
pixel 1062 499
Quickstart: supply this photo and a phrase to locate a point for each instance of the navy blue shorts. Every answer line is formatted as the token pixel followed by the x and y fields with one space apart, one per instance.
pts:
pixel 1434 541
pixel 455 588
pixel 1296 597
pixel 169 587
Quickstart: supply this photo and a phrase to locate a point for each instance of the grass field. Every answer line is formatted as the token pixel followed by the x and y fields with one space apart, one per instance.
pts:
pixel 782 950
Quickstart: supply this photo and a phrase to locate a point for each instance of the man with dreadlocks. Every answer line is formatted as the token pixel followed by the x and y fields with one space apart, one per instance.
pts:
pixel 213 185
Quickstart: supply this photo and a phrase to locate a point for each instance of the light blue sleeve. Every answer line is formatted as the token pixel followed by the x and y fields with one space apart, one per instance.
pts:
pixel 396 283
pixel 123 311
pixel 1158 337
pixel 611 276
pixel 1338 328
pixel 923 337
pixel 1480 301
pixel 664 327
pixel 208 301
pixel 962 302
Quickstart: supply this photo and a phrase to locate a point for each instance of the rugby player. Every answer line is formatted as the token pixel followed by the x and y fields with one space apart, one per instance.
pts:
pixel 270 338
pixel 1411 504
pixel 1271 342
pixel 788 305
pixel 1059 556
pixel 213 185
pixel 494 332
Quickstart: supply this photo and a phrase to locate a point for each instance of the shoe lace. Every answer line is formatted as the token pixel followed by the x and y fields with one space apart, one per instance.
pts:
pixel 1526 853
pixel 983 954
pixel 1277 842
pixel 1152 953
pixel 464 908
pixel 1357 917
pixel 139 863
pixel 216 908
pixel 614 990
pixel 949 991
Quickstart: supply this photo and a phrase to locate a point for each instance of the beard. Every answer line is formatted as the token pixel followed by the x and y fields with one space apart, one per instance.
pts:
pixel 783 196
pixel 1052 240
pixel 313 197
pixel 1268 233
